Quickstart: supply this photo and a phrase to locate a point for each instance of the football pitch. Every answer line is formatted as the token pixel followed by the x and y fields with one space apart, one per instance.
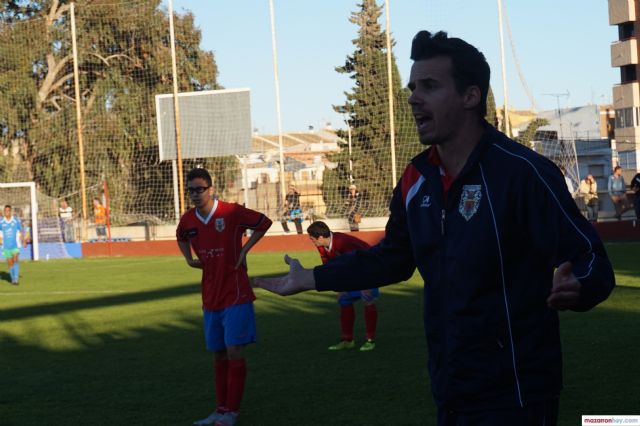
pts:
pixel 119 341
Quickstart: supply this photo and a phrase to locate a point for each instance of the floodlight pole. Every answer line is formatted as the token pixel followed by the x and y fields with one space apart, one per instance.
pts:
pixel 76 83
pixel 350 158
pixel 176 195
pixel 274 51
pixel 392 118
pixel 245 179
pixel 176 109
pixel 504 72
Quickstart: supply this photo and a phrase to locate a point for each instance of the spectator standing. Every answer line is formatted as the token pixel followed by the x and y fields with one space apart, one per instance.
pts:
pixel 65 212
pixel 100 219
pixel 352 208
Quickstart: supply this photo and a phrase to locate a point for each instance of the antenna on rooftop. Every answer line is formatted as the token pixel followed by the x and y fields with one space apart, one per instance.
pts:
pixel 558 96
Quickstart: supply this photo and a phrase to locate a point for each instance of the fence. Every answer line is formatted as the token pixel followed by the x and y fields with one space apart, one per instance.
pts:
pixel 77 110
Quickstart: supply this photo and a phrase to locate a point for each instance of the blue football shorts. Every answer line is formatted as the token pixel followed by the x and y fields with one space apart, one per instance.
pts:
pixel 231 326
pixel 353 296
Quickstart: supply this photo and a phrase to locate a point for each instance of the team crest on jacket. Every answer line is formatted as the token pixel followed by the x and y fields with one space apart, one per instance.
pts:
pixel 470 200
pixel 219 224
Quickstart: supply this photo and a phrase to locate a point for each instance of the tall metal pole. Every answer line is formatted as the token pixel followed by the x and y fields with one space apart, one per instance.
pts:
pixel 392 118
pixel 176 194
pixel 245 179
pixel 176 109
pixel 76 83
pixel 34 221
pixel 504 72
pixel 274 53
pixel 350 160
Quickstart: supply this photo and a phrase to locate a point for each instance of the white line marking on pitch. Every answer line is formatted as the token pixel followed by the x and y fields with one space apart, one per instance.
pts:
pixel 63 292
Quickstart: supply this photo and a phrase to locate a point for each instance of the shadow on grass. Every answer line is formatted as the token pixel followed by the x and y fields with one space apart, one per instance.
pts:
pixel 97 302
pixel 601 358
pixel 156 372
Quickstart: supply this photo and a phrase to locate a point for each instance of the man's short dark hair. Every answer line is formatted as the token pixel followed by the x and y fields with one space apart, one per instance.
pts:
pixel 469 66
pixel 319 229
pixel 7 206
pixel 616 168
pixel 201 173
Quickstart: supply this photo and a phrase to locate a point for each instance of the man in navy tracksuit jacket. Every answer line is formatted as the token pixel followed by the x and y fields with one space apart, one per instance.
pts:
pixel 498 240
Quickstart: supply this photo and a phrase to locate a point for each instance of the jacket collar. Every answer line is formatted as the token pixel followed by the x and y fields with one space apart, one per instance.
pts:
pixel 426 168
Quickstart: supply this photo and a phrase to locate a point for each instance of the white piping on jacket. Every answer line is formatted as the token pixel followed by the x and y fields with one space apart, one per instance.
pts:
pixel 413 191
pixel 504 287
pixel 564 212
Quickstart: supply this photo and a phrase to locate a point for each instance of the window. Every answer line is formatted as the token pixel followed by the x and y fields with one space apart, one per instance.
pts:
pixel 628 117
pixel 626 30
pixel 624 118
pixel 596 170
pixel 628 74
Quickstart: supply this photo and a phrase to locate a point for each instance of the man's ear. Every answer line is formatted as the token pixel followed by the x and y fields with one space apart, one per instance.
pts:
pixel 472 97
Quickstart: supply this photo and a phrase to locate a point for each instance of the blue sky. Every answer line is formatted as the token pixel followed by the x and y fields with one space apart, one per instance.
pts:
pixel 563 46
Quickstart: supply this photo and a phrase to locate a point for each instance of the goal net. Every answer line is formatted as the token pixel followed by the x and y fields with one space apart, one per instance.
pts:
pixel 69 132
pixel 563 153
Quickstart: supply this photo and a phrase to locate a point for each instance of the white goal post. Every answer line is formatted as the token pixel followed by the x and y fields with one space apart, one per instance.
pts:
pixel 33 212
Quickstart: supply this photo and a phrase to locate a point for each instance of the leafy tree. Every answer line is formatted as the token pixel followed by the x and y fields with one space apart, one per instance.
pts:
pixel 124 60
pixel 367 113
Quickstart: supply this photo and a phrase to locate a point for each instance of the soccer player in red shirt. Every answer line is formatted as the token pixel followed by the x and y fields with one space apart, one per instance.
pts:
pixel 214 230
pixel 333 244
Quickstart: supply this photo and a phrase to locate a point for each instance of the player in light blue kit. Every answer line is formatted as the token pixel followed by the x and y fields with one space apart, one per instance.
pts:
pixel 10 226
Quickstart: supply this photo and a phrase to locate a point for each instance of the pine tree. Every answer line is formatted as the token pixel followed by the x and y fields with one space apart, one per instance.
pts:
pixel 367 113
pixel 491 116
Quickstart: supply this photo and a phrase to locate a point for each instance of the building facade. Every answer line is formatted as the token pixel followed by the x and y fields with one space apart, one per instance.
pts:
pixel 624 55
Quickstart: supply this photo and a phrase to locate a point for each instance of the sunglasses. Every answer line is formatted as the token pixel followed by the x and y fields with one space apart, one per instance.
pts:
pixel 197 189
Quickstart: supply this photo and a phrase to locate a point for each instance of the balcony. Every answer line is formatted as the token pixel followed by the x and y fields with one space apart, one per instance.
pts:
pixel 626 95
pixel 624 53
pixel 621 11
pixel 627 138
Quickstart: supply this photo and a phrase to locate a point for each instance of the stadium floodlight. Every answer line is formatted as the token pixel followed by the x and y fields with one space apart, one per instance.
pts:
pixel 21 196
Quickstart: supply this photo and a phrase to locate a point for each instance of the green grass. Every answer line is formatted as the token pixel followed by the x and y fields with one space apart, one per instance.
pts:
pixel 119 341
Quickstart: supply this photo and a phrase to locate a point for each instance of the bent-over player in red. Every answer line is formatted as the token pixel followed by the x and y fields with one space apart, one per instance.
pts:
pixel 333 244
pixel 214 229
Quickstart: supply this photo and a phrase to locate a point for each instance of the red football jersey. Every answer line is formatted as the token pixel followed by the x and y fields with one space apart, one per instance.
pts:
pixel 341 244
pixel 217 241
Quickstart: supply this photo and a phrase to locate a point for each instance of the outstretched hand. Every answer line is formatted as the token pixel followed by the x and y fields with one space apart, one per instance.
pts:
pixel 565 291
pixel 298 279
